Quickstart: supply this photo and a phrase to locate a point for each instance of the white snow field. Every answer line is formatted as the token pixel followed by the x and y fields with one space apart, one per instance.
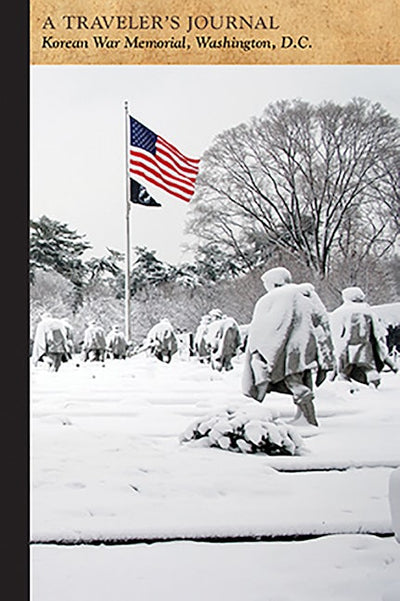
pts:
pixel 107 467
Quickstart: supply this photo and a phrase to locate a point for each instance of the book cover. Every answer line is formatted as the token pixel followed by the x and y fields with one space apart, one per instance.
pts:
pixel 186 160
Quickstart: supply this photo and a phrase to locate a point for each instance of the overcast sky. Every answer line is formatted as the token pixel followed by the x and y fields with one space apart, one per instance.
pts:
pixel 78 133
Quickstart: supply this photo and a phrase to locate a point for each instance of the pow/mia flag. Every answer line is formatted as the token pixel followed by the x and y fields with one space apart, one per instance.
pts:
pixel 139 195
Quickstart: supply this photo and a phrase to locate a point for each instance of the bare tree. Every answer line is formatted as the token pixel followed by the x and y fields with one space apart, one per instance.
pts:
pixel 318 182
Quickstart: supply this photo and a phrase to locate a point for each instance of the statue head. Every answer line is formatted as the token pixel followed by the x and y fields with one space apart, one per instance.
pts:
pixel 276 277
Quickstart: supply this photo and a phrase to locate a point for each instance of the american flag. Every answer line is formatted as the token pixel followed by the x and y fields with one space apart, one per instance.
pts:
pixel 160 163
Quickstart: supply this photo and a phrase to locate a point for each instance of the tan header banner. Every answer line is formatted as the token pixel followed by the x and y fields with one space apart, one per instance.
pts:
pixel 234 32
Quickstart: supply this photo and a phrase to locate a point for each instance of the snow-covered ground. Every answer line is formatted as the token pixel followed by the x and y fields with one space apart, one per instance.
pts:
pixel 107 466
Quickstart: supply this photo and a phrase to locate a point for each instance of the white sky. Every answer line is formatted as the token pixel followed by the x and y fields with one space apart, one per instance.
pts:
pixel 78 133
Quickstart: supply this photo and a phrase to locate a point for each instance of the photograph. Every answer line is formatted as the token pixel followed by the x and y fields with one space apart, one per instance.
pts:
pixel 214 323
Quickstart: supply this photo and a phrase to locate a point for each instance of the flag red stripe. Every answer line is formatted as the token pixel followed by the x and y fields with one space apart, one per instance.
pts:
pixel 171 162
pixel 174 150
pixel 159 176
pixel 183 186
pixel 136 167
pixel 159 184
pixel 148 161
pixel 179 164
pixel 162 165
pixel 172 169
pixel 183 168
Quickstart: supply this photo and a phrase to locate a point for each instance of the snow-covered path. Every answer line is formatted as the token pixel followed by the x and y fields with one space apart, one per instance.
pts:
pixel 107 465
pixel 107 462
pixel 335 568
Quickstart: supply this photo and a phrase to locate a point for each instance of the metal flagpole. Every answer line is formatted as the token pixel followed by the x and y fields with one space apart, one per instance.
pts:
pixel 127 231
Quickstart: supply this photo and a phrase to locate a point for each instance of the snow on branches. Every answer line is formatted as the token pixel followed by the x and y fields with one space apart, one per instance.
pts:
pixel 244 430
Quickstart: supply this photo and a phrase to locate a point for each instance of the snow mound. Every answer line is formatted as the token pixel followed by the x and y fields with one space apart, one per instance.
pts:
pixel 249 430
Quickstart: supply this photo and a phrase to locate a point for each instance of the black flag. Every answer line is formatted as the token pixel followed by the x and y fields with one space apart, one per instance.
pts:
pixel 139 195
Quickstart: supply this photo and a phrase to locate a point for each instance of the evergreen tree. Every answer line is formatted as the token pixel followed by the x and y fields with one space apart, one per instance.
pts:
pixel 215 263
pixel 54 246
pixel 103 267
pixel 187 275
pixel 148 270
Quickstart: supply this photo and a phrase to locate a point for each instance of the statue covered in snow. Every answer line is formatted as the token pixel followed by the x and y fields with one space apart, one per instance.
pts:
pixel 69 336
pixel 222 341
pixel 244 334
pixel 199 342
pixel 94 342
pixel 283 347
pixel 51 341
pixel 321 331
pixel 360 339
pixel 162 341
pixel 116 343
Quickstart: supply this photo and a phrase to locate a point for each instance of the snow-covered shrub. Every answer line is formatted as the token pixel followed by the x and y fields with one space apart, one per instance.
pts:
pixel 244 430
